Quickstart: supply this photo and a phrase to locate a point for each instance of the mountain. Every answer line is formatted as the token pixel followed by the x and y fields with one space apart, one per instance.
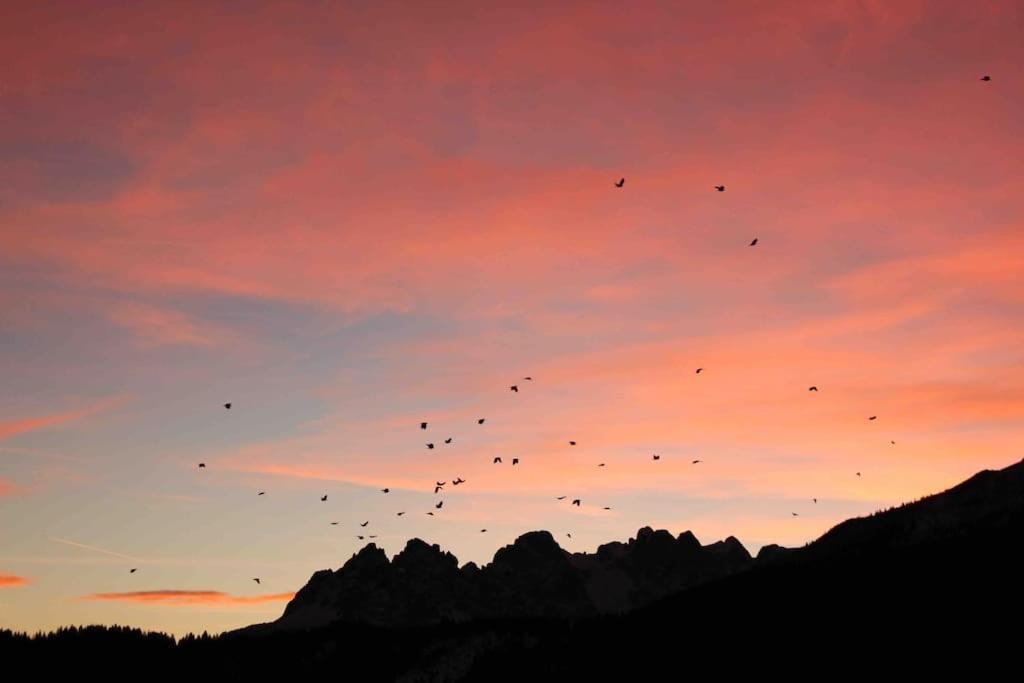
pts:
pixel 932 588
pixel 532 577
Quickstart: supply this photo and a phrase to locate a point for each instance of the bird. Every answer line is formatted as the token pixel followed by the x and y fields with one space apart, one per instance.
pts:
pixel 858 474
pixel 202 465
pixel 227 406
pixel 600 464
pixel 359 537
pixel 133 570
pixel 515 461
pixel 448 440
pixel 323 498
pixel 893 443
pixel 515 388
pixel 438 483
pixel 334 523
pixel 656 457
pixel 528 379
pixel 386 490
pixel 812 389
pixel 622 181
pixel 399 514
pixel 262 493
pixel 576 502
pixel 607 508
pixel 572 443
pixel 696 462
pixel 365 523
pixel 497 460
pixel 430 446
pixel 439 505
pixel 699 370
pixel 873 417
pixel 569 535
pixel 480 421
pixel 457 481
pixel 483 531
pixel 423 425
pixel 794 514
pixel 753 243
pixel 815 500
pixel 372 536
pixel 256 580
pixel 561 498
pixel 986 77
pixel 437 488
pixel 431 514
pixel 720 188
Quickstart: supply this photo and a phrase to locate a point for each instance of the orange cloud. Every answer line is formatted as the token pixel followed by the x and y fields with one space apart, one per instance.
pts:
pixel 186 598
pixel 30 424
pixel 8 581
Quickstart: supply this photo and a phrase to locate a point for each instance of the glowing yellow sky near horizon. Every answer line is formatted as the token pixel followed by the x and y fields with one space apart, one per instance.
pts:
pixel 346 220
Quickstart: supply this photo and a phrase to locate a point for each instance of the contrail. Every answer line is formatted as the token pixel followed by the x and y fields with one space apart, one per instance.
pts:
pixel 99 550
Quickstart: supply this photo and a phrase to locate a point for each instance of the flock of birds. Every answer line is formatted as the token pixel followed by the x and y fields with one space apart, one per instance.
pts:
pixel 439 485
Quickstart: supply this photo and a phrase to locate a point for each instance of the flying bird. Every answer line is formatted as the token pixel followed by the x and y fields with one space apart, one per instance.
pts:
pixel 448 440
pixel 399 514
pixel 497 460
pixel 438 488
pixel 601 464
pixel 481 420
pixel 133 570
pixel 323 498
pixel 696 462
pixel 515 461
pixel 386 490
pixel 334 523
pixel 528 379
pixel 569 535
pixel 256 580
pixel 753 243
pixel 359 537
pixel 440 503
pixel 372 536
pixel 483 531
pixel 423 425
pixel 202 465
pixel 227 406
pixel 812 389
pixel 699 370
pixel 607 508
pixel 656 457
pixel 572 443
pixel 438 483
pixel 431 514
pixel 622 181
pixel 720 188
pixel 262 493
pixel 365 523
pixel 515 388
pixel 985 78
pixel 873 417
pixel 815 500
pixel 430 446
pixel 576 502
pixel 561 498
pixel 893 443
pixel 794 514
pixel 457 481
pixel 858 474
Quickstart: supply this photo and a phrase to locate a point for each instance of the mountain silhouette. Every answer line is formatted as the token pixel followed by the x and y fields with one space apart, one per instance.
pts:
pixel 929 588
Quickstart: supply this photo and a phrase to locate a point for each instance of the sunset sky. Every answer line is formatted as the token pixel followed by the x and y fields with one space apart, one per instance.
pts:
pixel 348 218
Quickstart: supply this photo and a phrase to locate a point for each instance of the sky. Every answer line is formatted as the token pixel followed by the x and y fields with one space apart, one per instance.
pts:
pixel 348 218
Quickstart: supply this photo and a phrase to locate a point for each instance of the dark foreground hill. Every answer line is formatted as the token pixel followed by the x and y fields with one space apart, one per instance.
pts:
pixel 931 588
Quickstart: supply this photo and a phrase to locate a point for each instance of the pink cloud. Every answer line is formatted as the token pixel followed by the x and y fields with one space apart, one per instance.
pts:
pixel 14 427
pixel 10 581
pixel 179 598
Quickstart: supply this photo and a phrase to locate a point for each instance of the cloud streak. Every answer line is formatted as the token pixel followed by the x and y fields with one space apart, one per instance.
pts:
pixel 188 598
pixel 11 581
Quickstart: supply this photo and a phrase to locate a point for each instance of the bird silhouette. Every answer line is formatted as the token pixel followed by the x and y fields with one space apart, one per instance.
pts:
pixel 430 446
pixel 572 443
pixel 372 536
pixel 528 379
pixel 359 537
pixel 576 502
pixel 256 580
pixel 386 490
pixel 423 425
pixel 607 508
pixel 227 406
pixel 323 498
pixel 133 570
pixel 622 181
pixel 438 483
pixel 515 461
pixel 334 523
pixel 438 488
pixel 873 417
pixel 858 474
pixel 893 443
pixel 815 500
pixel 515 388
pixel 457 481
pixel 720 188
pixel 262 493
pixel 753 242
pixel 481 420
pixel 561 498
pixel 812 389
pixel 600 464
pixel 483 531
pixel 569 535
pixel 431 514
pixel 696 462
pixel 399 514
pixel 439 505
pixel 656 457
pixel 497 460
pixel 794 514
pixel 985 78
pixel 202 465
pixel 365 523
pixel 448 440
pixel 699 370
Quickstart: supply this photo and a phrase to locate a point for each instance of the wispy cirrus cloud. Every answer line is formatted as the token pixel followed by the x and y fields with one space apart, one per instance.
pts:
pixel 180 598
pixel 10 581
pixel 9 428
